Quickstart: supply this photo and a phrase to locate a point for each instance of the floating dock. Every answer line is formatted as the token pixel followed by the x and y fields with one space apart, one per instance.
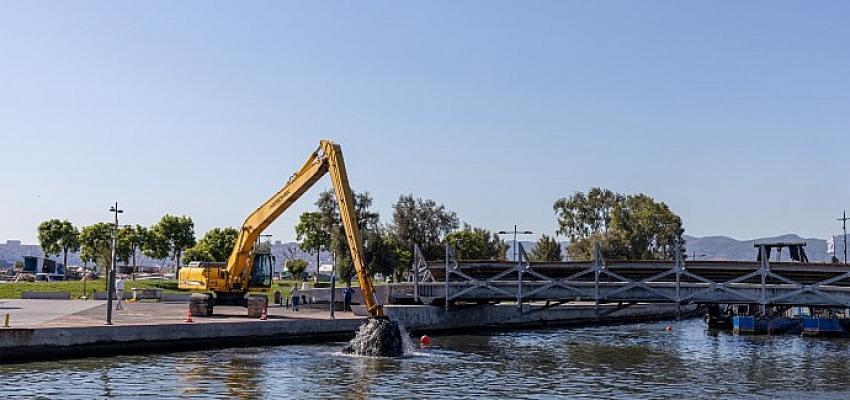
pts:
pixel 804 325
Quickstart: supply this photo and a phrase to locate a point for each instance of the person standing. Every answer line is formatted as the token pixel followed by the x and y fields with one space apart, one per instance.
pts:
pixel 295 300
pixel 346 296
pixel 119 292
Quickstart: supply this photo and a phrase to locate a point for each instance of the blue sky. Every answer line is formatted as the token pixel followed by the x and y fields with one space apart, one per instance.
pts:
pixel 736 114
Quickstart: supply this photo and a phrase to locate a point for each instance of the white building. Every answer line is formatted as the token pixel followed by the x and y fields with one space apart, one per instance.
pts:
pixel 835 247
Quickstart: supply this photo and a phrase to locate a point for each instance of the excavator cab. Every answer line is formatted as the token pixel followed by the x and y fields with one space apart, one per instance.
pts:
pixel 261 271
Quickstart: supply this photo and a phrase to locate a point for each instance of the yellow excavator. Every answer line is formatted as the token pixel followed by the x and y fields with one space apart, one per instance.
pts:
pixel 246 276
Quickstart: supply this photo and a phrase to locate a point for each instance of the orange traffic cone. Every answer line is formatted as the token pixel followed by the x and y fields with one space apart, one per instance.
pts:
pixel 189 316
pixel 263 315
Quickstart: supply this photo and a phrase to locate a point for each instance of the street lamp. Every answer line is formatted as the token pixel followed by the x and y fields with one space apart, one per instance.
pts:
pixel 843 220
pixel 695 255
pixel 110 282
pixel 515 232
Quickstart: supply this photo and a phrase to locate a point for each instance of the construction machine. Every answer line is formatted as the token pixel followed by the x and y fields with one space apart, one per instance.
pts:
pixel 246 276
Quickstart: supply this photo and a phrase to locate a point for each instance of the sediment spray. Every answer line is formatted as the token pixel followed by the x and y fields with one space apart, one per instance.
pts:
pixel 379 337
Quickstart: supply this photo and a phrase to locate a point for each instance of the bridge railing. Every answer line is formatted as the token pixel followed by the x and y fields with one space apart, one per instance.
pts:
pixel 419 272
pixel 644 281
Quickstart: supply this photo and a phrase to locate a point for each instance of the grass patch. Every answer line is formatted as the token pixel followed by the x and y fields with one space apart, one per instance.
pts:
pixel 14 290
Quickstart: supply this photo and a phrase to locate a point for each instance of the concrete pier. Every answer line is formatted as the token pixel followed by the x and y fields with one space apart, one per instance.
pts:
pixel 53 329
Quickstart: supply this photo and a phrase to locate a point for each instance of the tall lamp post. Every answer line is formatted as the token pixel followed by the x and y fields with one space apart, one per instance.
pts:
pixel 515 232
pixel 698 255
pixel 843 220
pixel 110 282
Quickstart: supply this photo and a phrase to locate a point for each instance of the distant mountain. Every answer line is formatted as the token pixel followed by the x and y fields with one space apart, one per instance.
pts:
pixel 706 248
pixel 724 248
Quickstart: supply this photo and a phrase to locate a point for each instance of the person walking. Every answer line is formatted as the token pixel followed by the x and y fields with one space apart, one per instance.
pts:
pixel 346 296
pixel 295 300
pixel 119 292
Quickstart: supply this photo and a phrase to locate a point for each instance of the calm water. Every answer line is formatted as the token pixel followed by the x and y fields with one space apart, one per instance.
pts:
pixel 629 361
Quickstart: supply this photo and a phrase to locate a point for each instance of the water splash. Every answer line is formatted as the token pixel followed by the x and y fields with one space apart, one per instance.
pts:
pixel 407 345
pixel 379 337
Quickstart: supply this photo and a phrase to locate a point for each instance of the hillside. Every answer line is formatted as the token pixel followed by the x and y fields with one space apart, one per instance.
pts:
pixel 713 247
pixel 726 248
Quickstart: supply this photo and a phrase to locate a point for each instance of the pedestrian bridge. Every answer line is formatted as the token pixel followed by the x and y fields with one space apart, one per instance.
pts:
pixel 762 282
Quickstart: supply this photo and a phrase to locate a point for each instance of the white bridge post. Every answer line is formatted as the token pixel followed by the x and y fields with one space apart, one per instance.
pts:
pixel 678 279
pixel 763 268
pixel 597 260
pixel 519 268
pixel 447 277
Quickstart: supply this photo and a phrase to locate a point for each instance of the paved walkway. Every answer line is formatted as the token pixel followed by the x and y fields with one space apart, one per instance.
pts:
pixel 80 313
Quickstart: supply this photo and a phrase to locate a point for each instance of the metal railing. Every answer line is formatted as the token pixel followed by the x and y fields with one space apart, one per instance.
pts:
pixel 637 281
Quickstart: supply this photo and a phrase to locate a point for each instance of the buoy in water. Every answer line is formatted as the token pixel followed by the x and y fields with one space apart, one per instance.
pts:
pixel 425 341
pixel 668 328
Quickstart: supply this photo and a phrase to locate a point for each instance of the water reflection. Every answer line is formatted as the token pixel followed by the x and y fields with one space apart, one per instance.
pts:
pixel 239 375
pixel 631 361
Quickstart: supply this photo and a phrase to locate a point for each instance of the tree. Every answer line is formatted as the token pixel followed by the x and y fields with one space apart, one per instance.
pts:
pixel 216 245
pixel 313 235
pixel 219 242
pixel 178 234
pixel 57 236
pixel 96 244
pixel 197 253
pixel 476 244
pixel 154 245
pixel 625 226
pixel 379 252
pixel 131 239
pixel 546 249
pixel 649 229
pixel 580 215
pixel 296 267
pixel 422 222
pixel 328 208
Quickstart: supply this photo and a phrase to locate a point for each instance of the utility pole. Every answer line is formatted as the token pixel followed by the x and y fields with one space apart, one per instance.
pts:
pixel 843 220
pixel 110 282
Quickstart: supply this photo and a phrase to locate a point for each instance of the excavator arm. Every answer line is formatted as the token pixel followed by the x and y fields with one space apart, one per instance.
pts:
pixel 327 158
pixel 348 216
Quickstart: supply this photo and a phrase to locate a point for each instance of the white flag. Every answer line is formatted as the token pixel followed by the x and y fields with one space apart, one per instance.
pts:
pixel 830 246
